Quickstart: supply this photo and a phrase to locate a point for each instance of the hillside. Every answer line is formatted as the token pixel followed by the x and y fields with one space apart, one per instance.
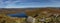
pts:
pixel 33 12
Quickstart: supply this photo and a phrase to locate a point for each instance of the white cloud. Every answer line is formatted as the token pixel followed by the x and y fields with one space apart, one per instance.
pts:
pixel 10 3
pixel 3 4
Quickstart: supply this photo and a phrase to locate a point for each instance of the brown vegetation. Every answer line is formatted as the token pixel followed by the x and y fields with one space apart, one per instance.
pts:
pixel 43 12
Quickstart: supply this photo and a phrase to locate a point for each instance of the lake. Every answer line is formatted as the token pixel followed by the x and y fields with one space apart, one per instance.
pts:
pixel 20 15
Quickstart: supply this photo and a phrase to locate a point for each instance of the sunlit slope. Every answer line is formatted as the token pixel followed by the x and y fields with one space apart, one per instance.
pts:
pixel 40 12
pixel 43 11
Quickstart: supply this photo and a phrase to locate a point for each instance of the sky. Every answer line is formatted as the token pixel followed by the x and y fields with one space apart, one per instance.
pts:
pixel 28 3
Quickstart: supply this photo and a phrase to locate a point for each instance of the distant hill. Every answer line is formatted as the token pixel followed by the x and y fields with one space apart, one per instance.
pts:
pixel 15 10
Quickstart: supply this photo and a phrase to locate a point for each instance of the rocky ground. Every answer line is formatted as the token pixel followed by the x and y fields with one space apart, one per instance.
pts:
pixel 50 15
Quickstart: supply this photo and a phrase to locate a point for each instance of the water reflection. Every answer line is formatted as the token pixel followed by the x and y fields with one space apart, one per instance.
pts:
pixel 21 15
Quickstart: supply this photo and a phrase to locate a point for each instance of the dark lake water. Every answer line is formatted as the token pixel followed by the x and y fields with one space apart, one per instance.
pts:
pixel 21 15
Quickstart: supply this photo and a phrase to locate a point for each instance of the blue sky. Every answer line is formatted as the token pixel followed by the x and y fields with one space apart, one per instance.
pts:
pixel 29 3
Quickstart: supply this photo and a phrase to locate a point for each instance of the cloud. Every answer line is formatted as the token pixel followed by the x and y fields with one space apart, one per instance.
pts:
pixel 20 3
pixel 28 3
